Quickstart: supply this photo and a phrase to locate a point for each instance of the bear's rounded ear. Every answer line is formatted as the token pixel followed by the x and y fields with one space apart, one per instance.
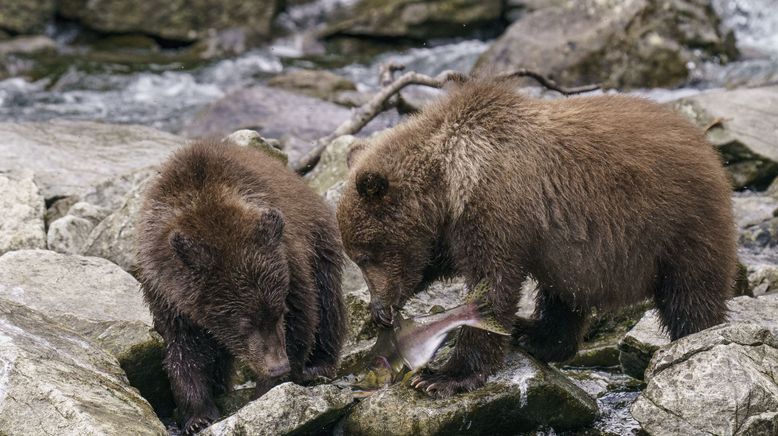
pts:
pixel 354 151
pixel 372 186
pixel 193 254
pixel 270 227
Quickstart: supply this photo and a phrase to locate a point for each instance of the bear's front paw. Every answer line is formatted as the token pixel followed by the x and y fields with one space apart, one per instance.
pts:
pixel 442 385
pixel 197 424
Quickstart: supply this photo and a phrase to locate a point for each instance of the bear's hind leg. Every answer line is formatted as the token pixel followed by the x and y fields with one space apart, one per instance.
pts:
pixel 692 294
pixel 554 333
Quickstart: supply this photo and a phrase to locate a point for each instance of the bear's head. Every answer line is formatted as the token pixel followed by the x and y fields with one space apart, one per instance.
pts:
pixel 390 218
pixel 233 260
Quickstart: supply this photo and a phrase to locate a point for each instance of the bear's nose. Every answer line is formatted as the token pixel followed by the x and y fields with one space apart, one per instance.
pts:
pixel 381 314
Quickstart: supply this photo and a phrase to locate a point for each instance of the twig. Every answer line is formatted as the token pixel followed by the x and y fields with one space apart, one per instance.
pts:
pixel 371 109
pixel 548 83
pixel 377 103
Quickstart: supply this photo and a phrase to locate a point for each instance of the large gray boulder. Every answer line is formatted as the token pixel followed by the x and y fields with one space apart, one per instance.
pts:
pixel 623 43
pixel 640 344
pixel 415 19
pixel 521 397
pixel 332 167
pixel 114 237
pixel 54 381
pixel 69 233
pixel 286 409
pixel 180 20
pixel 21 223
pixel 71 157
pixel 741 124
pixel 719 381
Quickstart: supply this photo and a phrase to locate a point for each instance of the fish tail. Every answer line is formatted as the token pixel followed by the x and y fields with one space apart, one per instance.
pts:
pixel 486 319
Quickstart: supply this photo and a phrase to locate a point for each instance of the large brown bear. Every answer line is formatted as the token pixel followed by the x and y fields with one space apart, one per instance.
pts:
pixel 603 200
pixel 238 258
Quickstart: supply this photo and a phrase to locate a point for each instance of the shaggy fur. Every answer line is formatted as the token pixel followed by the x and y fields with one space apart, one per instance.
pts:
pixel 238 259
pixel 603 200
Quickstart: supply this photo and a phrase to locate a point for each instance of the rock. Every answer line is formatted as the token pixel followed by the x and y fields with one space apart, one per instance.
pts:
pixel 743 127
pixel 332 165
pixel 519 398
pixel 621 43
pixel 718 381
pixel 114 237
pixel 60 208
pixel 753 209
pixel 285 409
pixel 56 382
pixel 26 17
pixel 272 112
pixel 600 346
pixel 69 234
pixel 315 83
pixel 252 139
pixel 111 193
pixel 177 20
pixel 71 157
pixel 647 336
pixel 27 45
pixel 21 225
pixel 762 278
pixel 416 19
pixel 761 236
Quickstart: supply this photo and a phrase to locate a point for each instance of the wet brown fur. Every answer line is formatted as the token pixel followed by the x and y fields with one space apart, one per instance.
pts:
pixel 239 258
pixel 603 200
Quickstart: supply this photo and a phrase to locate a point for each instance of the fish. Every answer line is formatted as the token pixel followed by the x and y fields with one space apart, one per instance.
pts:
pixel 411 343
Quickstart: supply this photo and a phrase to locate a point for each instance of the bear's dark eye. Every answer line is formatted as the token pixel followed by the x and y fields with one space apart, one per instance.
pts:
pixel 362 260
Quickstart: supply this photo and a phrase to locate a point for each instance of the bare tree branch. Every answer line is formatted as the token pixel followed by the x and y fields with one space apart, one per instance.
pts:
pixel 390 87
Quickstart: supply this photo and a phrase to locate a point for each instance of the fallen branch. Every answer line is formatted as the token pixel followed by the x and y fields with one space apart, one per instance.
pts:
pixel 378 103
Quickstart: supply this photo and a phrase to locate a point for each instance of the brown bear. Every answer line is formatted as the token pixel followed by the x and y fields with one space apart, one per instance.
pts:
pixel 238 258
pixel 603 200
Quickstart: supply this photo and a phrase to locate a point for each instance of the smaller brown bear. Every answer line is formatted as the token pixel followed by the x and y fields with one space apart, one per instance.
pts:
pixel 238 259
pixel 605 201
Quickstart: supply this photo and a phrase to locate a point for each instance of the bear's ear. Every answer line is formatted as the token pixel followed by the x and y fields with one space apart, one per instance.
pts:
pixel 195 255
pixel 371 186
pixel 270 226
pixel 354 151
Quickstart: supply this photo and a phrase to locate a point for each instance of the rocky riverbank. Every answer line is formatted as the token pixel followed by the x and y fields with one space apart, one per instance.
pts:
pixel 94 97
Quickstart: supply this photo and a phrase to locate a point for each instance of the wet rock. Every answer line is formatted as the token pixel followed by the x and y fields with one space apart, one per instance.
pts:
pixel 27 45
pixel 741 124
pixel 114 237
pixel 21 224
pixel 719 381
pixel 252 139
pixel 753 209
pixel 26 17
pixel 519 398
pixel 332 166
pixel 415 19
pixel 71 157
pixel 622 43
pixel 761 236
pixel 647 336
pixel 57 382
pixel 315 83
pixel 285 409
pixel 177 20
pixel 600 346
